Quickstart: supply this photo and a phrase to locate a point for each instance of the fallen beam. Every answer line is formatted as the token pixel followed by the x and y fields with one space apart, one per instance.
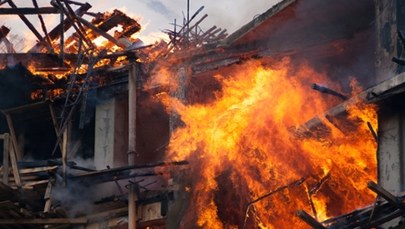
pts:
pixel 393 200
pixel 28 10
pixel 329 91
pixel 40 221
pixel 311 221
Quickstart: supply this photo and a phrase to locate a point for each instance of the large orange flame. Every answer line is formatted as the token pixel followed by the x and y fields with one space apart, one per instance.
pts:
pixel 243 145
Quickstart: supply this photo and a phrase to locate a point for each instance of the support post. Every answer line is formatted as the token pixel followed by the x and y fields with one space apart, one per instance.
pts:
pixel 62 42
pixel 47 197
pixel 14 165
pixel 132 76
pixel 310 220
pixel 64 154
pixel 6 157
pixel 13 136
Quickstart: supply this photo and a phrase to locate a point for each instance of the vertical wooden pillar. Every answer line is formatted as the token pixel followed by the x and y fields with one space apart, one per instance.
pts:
pixel 64 153
pixel 6 148
pixel 13 137
pixel 132 76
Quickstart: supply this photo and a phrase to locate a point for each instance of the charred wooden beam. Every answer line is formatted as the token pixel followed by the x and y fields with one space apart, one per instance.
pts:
pixel 41 19
pixel 311 221
pixel 67 24
pixel 122 172
pixel 28 10
pixel 43 221
pixel 68 11
pixel 6 153
pixel 329 91
pixel 373 132
pixel 398 61
pixel 29 25
pixel 75 2
pixel 393 200
pixel 100 32
pixel 4 31
pixel 279 189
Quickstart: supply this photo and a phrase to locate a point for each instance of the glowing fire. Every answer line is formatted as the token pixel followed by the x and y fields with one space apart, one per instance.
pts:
pixel 243 145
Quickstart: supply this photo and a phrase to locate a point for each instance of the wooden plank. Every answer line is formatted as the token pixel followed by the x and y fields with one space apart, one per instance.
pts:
pixel 310 220
pixel 6 160
pixel 393 200
pixel 100 32
pixel 38 169
pixel 67 24
pixel 13 135
pixel 14 166
pixel 47 197
pixel 28 10
pixel 39 221
pixel 29 171
pixel 29 185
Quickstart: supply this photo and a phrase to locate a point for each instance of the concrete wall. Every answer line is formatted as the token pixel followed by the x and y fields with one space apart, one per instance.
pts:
pixel 111 133
pixel 390 17
pixel 391 147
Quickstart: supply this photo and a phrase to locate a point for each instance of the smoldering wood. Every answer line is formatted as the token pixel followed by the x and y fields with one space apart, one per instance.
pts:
pixel 68 11
pixel 373 132
pixel 393 200
pixel 311 221
pixel 67 24
pixel 277 190
pixel 100 32
pixel 19 195
pixel 71 108
pixel 123 172
pixel 329 91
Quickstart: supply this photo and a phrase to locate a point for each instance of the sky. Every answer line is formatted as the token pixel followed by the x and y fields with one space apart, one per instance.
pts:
pixel 153 15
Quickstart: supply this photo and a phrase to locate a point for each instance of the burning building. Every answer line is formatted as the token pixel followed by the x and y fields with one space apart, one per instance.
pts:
pixel 294 120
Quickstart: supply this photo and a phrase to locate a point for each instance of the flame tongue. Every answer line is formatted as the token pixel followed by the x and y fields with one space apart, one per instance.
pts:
pixel 242 148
